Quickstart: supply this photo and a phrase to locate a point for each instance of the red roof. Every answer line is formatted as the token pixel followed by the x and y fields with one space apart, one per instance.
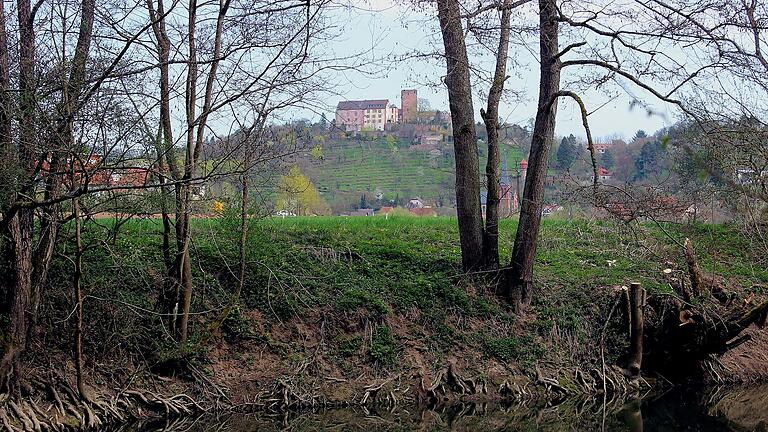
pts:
pixel 523 164
pixel 362 104
pixel 97 173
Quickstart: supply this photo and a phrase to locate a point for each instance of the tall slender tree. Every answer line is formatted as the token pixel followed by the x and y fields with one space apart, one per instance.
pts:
pixel 519 278
pixel 457 80
pixel 491 118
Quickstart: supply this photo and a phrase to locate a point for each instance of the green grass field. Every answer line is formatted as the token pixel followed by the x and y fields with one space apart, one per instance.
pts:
pixel 381 286
pixel 402 268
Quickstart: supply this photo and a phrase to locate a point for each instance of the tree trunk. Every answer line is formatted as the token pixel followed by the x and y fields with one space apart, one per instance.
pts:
pixel 491 119
pixel 457 81
pixel 20 227
pixel 519 283
pixel 183 193
pixel 242 264
pixel 7 151
pixel 168 166
pixel 20 235
pixel 184 269
pixel 64 143
pixel 195 144
pixel 76 282
pixel 30 267
pixel 243 236
pixel 10 168
pixel 636 325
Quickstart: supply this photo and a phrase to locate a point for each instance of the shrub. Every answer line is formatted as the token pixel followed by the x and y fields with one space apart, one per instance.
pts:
pixel 383 346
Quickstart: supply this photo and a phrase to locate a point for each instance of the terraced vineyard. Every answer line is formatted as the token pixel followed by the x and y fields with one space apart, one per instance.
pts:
pixel 350 169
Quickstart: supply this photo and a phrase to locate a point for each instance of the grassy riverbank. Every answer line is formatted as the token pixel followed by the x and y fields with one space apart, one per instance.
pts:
pixel 333 304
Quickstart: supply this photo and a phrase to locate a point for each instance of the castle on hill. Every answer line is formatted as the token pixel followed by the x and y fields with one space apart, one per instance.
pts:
pixel 380 115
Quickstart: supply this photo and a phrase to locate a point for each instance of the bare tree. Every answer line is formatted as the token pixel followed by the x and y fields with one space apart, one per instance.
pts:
pixel 235 58
pixel 457 80
pixel 485 21
pixel 519 283
pixel 31 261
pixel 491 118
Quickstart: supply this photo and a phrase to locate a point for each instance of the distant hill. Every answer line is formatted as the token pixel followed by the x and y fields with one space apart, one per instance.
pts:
pixel 350 168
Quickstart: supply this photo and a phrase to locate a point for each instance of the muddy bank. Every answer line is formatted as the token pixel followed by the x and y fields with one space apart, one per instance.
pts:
pixel 52 404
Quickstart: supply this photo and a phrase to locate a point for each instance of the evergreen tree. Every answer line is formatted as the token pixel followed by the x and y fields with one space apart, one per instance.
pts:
pixel 566 153
pixel 363 201
pixel 649 160
pixel 607 160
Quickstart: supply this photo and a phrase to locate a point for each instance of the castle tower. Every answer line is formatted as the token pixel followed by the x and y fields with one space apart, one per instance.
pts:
pixel 408 101
pixel 520 183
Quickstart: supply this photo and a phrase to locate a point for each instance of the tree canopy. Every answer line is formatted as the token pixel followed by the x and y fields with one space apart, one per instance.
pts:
pixel 298 195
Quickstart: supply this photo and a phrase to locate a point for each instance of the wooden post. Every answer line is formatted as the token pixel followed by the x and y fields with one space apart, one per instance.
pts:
pixel 694 271
pixel 636 300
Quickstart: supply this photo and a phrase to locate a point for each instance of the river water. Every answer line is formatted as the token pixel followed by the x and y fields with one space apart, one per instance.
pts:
pixel 740 409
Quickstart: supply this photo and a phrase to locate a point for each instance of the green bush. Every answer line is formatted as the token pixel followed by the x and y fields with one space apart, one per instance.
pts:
pixel 355 298
pixel 348 346
pixel 383 346
pixel 521 349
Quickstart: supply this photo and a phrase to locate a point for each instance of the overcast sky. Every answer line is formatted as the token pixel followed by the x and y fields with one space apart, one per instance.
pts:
pixel 385 30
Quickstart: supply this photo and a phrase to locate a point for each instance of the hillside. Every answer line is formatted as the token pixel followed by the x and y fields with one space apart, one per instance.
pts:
pixel 351 168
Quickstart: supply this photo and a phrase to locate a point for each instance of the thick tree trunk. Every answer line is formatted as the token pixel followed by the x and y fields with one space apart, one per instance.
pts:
pixel 31 267
pixel 491 119
pixel 20 229
pixel 457 81
pixel 519 283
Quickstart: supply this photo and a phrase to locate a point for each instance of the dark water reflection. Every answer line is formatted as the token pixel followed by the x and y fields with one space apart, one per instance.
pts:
pixel 744 409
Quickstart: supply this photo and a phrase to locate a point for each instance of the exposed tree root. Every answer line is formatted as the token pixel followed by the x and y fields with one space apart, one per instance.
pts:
pixel 57 407
pixel 686 330
pixel 448 380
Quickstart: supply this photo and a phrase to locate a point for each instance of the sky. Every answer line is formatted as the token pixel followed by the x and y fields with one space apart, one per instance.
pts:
pixel 385 31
